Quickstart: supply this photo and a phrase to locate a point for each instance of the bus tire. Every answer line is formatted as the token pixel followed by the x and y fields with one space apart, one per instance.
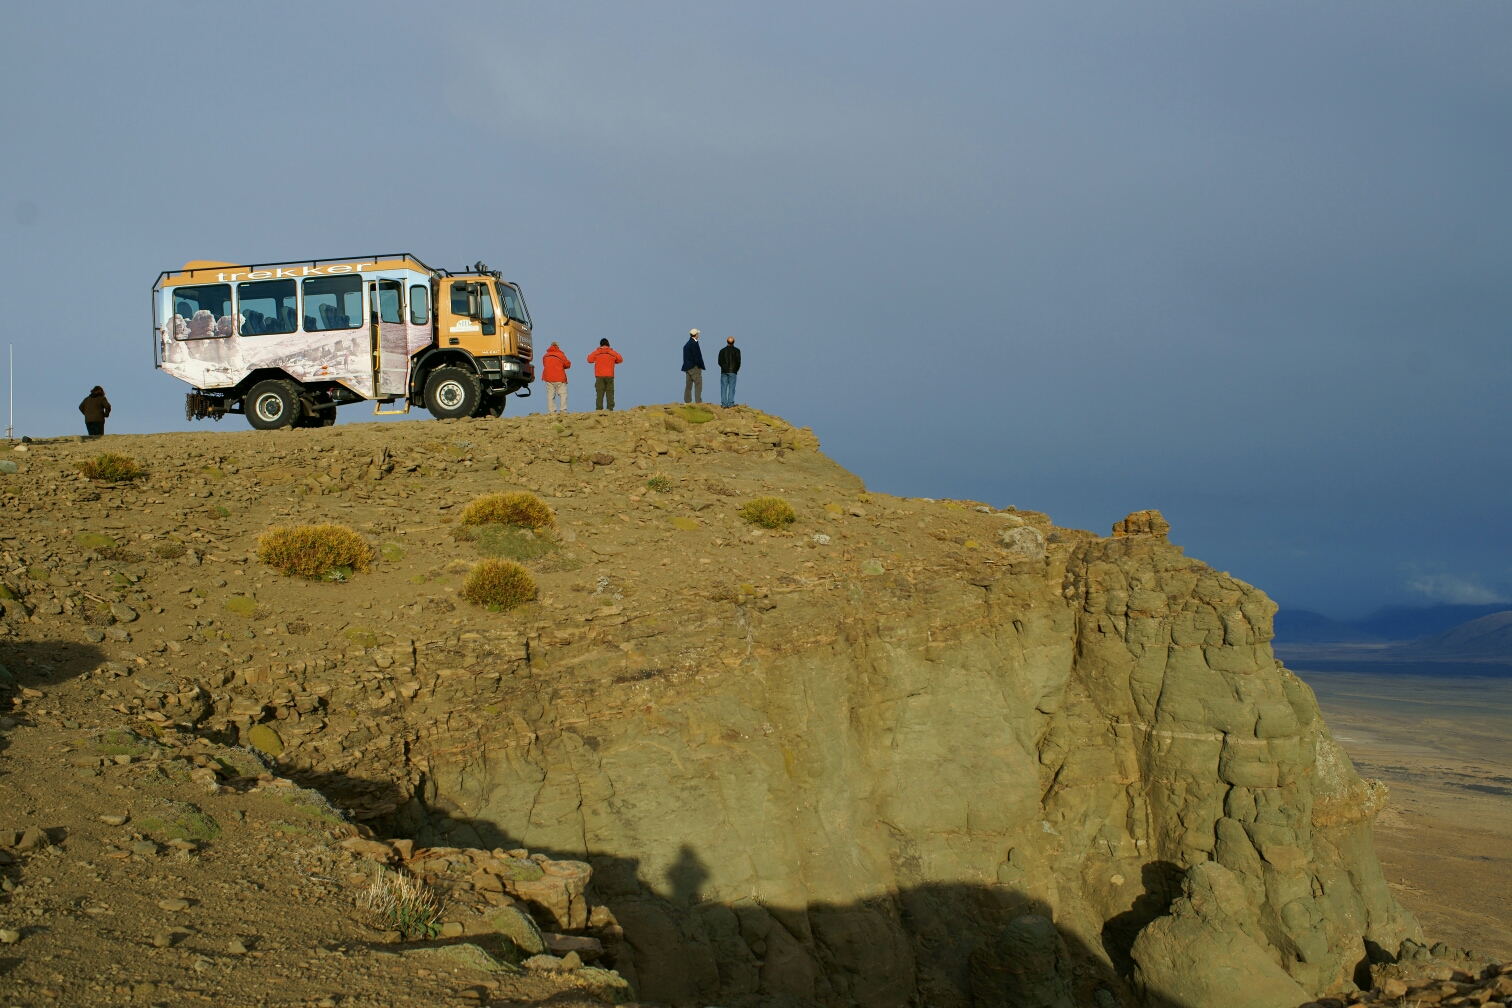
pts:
pixel 451 392
pixel 273 404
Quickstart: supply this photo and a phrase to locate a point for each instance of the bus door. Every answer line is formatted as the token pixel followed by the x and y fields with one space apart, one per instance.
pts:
pixel 390 338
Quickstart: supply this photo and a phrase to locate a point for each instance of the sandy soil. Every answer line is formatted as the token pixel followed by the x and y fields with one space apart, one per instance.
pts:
pixel 1444 748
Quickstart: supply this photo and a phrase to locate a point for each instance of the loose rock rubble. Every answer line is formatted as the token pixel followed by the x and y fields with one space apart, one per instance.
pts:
pixel 1439 975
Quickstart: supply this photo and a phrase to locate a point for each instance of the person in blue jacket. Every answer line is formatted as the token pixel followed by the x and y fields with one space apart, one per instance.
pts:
pixel 693 369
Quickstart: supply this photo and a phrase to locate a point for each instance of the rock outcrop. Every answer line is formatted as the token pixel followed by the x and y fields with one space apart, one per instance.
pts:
pixel 860 762
pixel 886 773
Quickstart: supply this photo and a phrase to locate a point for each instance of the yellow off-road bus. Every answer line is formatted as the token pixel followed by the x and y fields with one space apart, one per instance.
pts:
pixel 286 343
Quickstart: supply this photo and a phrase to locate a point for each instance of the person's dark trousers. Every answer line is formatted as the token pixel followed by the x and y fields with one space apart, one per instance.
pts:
pixel 95 429
pixel 727 390
pixel 693 385
pixel 603 388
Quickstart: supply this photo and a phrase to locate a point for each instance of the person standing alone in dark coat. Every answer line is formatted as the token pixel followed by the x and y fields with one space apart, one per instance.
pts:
pixel 729 367
pixel 693 369
pixel 95 408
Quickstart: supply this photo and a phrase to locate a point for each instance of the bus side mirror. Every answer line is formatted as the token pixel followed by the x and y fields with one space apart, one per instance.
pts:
pixel 474 307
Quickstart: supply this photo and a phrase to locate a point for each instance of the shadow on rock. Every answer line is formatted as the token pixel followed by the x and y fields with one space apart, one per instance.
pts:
pixel 1162 884
pixel 39 666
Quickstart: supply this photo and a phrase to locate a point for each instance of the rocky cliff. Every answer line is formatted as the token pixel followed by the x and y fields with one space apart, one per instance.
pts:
pixel 867 761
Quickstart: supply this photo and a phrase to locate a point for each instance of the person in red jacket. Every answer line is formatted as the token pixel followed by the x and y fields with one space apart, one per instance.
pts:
pixel 554 373
pixel 603 360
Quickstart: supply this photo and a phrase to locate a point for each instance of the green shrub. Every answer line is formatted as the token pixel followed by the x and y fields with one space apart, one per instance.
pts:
pixel 518 508
pixel 769 512
pixel 660 484
pixel 169 550
pixel 111 468
pixel 314 551
pixel 499 585
pixel 405 904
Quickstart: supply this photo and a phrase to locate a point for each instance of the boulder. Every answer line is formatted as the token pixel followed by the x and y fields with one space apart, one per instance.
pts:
pixel 1211 950
pixel 520 933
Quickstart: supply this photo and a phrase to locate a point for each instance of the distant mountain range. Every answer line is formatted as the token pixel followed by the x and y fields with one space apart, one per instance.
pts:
pixel 1424 640
pixel 1389 624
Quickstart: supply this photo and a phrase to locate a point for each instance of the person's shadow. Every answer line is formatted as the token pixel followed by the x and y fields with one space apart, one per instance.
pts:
pixel 686 876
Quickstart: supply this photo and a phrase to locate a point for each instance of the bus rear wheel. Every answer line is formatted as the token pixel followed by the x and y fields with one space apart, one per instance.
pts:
pixel 451 392
pixel 272 404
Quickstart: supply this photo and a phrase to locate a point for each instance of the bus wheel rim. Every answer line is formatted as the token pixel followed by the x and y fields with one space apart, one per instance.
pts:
pixel 451 394
pixel 270 406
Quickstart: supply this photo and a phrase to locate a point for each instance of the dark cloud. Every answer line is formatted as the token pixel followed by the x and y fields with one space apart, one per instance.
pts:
pixel 1245 263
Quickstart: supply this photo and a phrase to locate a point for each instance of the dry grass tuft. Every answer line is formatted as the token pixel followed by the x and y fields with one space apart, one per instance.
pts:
pixel 405 904
pixel 500 585
pixel 314 551
pixel 769 512
pixel 519 508
pixel 112 468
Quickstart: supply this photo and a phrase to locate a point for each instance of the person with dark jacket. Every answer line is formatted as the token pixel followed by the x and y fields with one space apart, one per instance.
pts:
pixel 95 408
pixel 603 360
pixel 729 367
pixel 693 369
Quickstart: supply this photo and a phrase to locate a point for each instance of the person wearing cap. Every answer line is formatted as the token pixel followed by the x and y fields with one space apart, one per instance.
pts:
pixel 554 373
pixel 729 367
pixel 603 360
pixel 693 369
pixel 95 408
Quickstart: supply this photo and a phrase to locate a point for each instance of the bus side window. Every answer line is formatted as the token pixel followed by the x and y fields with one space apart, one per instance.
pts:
pixel 419 304
pixel 389 294
pixel 202 312
pixel 266 307
pixel 332 303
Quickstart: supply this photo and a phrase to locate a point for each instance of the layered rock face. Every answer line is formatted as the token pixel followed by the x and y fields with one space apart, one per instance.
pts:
pixel 852 791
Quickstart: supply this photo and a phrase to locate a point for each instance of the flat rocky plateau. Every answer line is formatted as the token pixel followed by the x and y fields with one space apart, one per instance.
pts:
pixel 904 751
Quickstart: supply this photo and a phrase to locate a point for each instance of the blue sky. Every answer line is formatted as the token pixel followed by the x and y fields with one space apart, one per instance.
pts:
pixel 1247 264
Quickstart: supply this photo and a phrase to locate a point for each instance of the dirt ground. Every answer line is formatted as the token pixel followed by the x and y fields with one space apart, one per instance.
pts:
pixel 1445 840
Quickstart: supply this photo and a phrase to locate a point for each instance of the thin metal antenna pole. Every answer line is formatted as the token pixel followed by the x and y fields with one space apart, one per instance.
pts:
pixel 10 399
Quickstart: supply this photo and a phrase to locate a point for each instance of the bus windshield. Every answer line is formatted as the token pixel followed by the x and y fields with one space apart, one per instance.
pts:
pixel 513 304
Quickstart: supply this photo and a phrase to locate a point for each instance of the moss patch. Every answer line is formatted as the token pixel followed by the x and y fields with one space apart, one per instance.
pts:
pixel 686 524
pixel 510 542
pixel 391 552
pixel 180 821
pixel 357 635
pixel 94 540
pixel 242 605
pixel 121 742
pixel 265 739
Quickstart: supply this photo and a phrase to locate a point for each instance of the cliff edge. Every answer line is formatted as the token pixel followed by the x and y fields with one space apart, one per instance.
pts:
pixel 869 760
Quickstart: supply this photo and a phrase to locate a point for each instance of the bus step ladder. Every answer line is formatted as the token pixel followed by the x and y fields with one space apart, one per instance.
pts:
pixel 378 409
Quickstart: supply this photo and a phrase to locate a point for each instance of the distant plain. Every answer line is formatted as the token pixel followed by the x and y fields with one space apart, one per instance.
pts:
pixel 1443 746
